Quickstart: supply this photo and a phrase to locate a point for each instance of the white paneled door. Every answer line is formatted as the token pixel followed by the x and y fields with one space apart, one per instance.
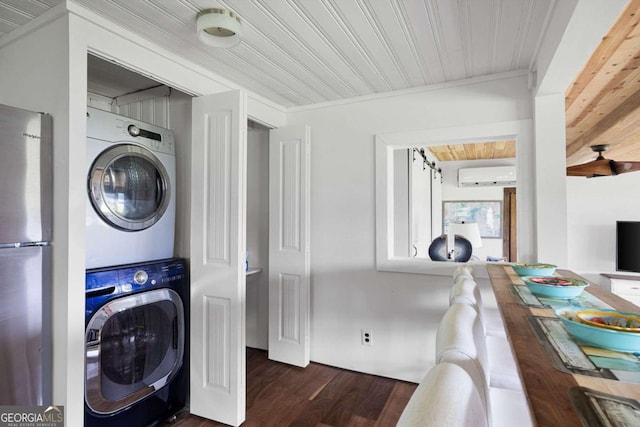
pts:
pixel 289 248
pixel 218 216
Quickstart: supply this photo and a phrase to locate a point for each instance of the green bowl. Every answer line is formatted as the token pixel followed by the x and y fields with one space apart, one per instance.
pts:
pixel 538 269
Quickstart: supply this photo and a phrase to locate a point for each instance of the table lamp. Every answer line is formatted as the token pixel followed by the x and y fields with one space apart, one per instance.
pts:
pixel 466 229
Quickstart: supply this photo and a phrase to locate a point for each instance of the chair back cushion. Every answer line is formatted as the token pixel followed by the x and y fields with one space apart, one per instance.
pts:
pixel 446 397
pixel 460 339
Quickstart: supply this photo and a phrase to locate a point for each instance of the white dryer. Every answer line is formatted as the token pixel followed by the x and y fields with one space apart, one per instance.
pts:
pixel 131 171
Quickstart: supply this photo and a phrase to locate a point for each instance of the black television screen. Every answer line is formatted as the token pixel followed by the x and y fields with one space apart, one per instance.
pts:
pixel 628 246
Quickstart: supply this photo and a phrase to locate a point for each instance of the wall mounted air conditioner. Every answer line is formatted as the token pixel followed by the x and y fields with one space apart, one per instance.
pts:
pixel 498 176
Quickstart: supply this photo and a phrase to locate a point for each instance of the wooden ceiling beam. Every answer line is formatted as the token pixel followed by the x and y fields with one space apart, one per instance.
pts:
pixel 610 44
pixel 615 82
pixel 628 111
pixel 602 104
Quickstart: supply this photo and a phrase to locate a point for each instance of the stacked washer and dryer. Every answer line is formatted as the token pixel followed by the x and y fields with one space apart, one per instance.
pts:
pixel 137 295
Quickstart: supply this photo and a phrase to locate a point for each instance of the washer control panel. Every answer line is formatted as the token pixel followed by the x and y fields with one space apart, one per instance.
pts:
pixel 105 284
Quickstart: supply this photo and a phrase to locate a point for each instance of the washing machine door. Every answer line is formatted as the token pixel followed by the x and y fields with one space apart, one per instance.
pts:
pixel 129 187
pixel 134 347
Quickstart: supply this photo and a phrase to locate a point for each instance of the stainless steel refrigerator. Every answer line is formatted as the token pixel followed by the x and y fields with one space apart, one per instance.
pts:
pixel 25 256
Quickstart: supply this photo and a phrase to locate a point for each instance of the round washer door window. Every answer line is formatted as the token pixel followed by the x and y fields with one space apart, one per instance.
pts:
pixel 129 187
pixel 134 347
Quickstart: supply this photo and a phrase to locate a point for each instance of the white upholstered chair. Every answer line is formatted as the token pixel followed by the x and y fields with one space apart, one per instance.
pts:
pixel 446 397
pixel 463 270
pixel 500 358
pixel 492 320
pixel 460 340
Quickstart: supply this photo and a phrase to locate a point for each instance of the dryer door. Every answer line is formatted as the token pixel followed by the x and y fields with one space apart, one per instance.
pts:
pixel 134 347
pixel 129 187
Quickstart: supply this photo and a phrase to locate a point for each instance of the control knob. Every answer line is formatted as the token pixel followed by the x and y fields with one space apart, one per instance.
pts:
pixel 134 130
pixel 140 277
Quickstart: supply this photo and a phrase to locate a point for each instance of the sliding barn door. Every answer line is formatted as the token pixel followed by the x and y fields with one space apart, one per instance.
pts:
pixel 289 269
pixel 218 216
pixel 419 206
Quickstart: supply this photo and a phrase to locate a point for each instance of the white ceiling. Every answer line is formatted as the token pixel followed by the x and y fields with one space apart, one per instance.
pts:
pixel 300 52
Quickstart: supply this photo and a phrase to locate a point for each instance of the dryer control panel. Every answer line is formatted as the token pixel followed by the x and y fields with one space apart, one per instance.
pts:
pixel 110 127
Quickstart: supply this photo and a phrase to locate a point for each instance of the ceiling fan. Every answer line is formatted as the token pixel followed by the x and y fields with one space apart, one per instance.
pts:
pixel 601 166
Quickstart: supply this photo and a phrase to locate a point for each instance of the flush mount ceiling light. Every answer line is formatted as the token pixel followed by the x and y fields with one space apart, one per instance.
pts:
pixel 219 27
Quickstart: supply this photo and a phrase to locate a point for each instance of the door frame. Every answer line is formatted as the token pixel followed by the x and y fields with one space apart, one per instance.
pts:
pixel 509 225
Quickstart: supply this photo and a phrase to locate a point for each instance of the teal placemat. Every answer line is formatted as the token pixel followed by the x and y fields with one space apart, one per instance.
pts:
pixel 569 355
pixel 597 409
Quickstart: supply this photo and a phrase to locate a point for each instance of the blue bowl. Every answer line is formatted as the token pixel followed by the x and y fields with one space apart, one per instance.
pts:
pixel 627 342
pixel 534 269
pixel 555 286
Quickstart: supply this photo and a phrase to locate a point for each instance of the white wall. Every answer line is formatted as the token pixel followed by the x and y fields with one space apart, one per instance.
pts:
pixel 550 153
pixel 593 206
pixel 348 294
pixel 451 191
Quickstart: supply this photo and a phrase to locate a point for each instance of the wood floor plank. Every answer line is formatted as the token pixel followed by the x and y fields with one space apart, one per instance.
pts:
pixel 260 381
pixel 326 405
pixel 396 403
pixel 349 391
pixel 358 421
pixel 316 396
pixel 313 412
pixel 376 398
pixel 279 409
pixel 314 379
pixel 256 360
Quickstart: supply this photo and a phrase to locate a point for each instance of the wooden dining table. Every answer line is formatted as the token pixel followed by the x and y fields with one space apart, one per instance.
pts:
pixel 547 388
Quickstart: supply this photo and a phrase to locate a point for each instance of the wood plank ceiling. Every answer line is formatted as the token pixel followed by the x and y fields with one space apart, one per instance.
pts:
pixel 475 151
pixel 603 102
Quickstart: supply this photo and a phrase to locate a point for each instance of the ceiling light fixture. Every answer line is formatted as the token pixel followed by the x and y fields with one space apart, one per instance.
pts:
pixel 219 27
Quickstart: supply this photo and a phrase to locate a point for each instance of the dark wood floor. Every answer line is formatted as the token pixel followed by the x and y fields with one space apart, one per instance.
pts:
pixel 318 395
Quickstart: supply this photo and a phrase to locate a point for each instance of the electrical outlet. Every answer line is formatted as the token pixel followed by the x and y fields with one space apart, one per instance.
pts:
pixel 366 336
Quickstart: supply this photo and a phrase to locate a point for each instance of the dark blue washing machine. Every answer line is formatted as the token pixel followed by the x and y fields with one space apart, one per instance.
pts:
pixel 137 329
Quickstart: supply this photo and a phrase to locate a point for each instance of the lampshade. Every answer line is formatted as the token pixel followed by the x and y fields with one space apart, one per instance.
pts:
pixel 218 27
pixel 468 230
